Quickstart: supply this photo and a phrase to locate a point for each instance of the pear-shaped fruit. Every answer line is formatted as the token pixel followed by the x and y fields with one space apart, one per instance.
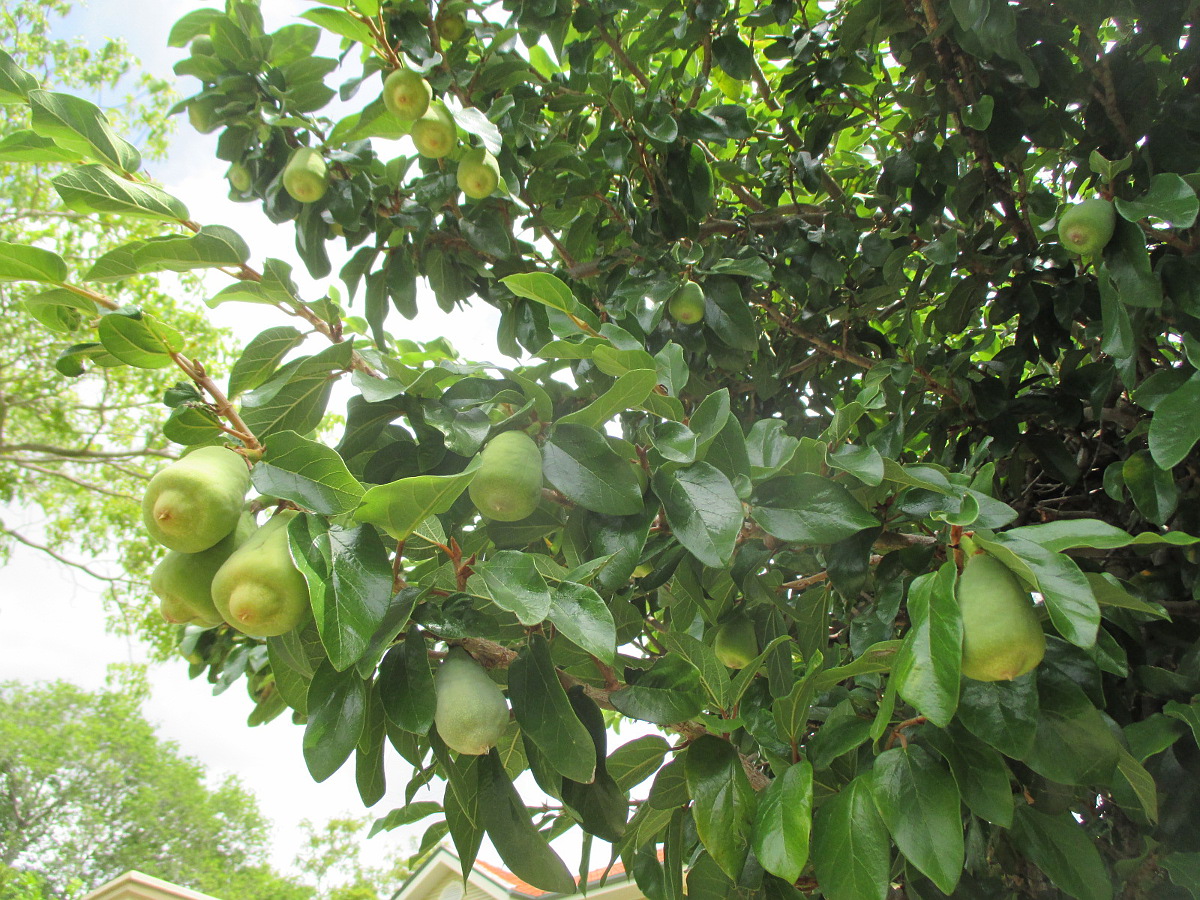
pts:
pixel 687 304
pixel 406 94
pixel 1002 638
pixel 451 25
pixel 735 642
pixel 478 173
pixel 239 177
pixel 306 177
pixel 508 483
pixel 435 134
pixel 183 581
pixel 196 500
pixel 1087 227
pixel 471 714
pixel 259 590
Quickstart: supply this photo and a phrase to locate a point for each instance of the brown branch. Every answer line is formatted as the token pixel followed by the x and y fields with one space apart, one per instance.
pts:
pixel 195 371
pixel 58 557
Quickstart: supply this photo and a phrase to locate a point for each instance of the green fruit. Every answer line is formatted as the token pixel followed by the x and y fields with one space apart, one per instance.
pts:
pixel 1002 638
pixel 451 25
pixel 183 581
pixel 434 133
pixel 471 714
pixel 259 590
pixel 202 114
pixel 735 642
pixel 507 485
pixel 406 94
pixel 306 177
pixel 478 173
pixel 202 45
pixel 687 304
pixel 196 500
pixel 1087 227
pixel 239 177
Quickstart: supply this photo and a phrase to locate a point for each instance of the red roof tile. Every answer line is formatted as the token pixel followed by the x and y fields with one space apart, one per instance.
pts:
pixel 528 890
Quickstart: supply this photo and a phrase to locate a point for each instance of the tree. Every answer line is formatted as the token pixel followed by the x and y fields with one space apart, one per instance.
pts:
pixel 898 368
pixel 330 858
pixel 88 791
pixel 80 452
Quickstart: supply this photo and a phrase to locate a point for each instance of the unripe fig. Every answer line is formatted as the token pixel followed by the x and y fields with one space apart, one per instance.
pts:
pixel 306 177
pixel 406 94
pixel 508 483
pixel 1002 638
pixel 259 590
pixel 196 500
pixel 435 134
pixel 239 177
pixel 471 713
pixel 735 642
pixel 1087 227
pixel 687 304
pixel 451 25
pixel 183 581
pixel 478 173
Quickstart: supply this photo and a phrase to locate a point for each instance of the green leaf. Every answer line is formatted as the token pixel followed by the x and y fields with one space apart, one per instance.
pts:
pixel 25 146
pixel 668 692
pixel 549 290
pixel 137 339
pixel 1170 198
pixel 1141 782
pixel 581 464
pixel 405 815
pixel 851 852
pixel 545 714
pixel 919 802
pixel 1060 847
pixel 94 189
pixel 628 392
pixel 1175 427
pixel 212 246
pixel 783 821
pixel 584 619
pixel 635 761
pixel 1153 489
pixel 523 849
pixel 261 357
pixel 879 657
pixel 979 770
pixel 342 23
pixel 78 125
pixel 275 289
pixel 337 714
pixel 1068 534
pixel 406 684
pixel 1067 718
pixel 808 509
pixel 1002 713
pixel 399 507
pixel 713 675
pixel 15 82
pixel 927 668
pixel 369 776
pixel 307 473
pixel 722 801
pixel 510 579
pixel 601 806
pixel 19 262
pixel 703 510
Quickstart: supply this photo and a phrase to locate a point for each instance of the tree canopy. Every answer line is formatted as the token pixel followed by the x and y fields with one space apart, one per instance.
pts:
pixel 838 438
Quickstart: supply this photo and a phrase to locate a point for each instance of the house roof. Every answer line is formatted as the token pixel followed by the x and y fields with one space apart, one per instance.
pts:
pixel 140 886
pixel 525 889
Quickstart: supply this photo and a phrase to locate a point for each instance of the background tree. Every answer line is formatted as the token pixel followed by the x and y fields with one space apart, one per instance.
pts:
pixel 803 348
pixel 81 452
pixel 331 860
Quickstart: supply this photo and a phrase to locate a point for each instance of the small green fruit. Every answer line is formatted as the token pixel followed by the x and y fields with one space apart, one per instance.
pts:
pixel 239 177
pixel 183 581
pixel 434 133
pixel 197 500
pixel 478 173
pixel 735 642
pixel 1087 227
pixel 306 177
pixel 259 590
pixel 406 94
pixel 451 25
pixel 202 114
pixel 202 45
pixel 471 714
pixel 1002 638
pixel 687 304
pixel 507 485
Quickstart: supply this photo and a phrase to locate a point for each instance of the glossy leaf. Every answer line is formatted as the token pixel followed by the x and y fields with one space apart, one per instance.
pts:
pixel 809 509
pixel 851 852
pixel 723 802
pixel 928 665
pixel 307 473
pixel 783 821
pixel 703 510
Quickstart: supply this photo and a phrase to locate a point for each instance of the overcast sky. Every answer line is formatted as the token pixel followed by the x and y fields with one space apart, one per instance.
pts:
pixel 51 620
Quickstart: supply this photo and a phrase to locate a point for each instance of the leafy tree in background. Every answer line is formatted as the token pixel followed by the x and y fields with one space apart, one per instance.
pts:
pixel 88 791
pixel 81 451
pixel 896 365
pixel 330 859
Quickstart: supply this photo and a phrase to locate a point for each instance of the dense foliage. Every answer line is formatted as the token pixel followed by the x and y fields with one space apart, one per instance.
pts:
pixel 897 365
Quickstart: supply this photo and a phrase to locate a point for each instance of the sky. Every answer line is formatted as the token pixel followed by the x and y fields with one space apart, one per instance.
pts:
pixel 51 618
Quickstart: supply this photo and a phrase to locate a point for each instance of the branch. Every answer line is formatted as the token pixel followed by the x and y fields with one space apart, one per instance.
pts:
pixel 54 554
pixel 70 453
pixel 33 467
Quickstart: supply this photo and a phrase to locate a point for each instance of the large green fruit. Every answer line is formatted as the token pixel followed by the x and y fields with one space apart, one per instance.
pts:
pixel 259 590
pixel 687 304
pixel 507 485
pixel 183 581
pixel 1002 638
pixel 306 176
pixel 471 714
pixel 406 94
pixel 1087 227
pixel 196 500
pixel 735 642
pixel 478 173
pixel 435 133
